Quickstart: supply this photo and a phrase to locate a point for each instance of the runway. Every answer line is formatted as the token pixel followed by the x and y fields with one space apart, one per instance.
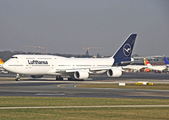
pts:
pixel 48 87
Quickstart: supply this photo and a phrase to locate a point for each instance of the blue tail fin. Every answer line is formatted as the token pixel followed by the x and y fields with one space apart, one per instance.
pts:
pixel 166 62
pixel 125 50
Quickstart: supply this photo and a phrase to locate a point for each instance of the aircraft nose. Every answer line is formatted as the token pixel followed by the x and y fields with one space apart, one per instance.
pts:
pixel 5 66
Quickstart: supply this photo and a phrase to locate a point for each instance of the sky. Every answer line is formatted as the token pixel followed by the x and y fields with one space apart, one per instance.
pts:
pixel 65 26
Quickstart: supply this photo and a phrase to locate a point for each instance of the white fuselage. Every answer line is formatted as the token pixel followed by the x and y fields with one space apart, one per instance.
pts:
pixel 159 68
pixel 52 65
pixel 75 68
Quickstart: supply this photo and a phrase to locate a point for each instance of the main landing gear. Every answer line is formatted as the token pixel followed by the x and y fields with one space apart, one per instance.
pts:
pixel 71 78
pixel 59 78
pixel 17 77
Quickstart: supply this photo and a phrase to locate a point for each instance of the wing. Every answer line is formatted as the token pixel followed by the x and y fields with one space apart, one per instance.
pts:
pixel 134 67
pixel 95 69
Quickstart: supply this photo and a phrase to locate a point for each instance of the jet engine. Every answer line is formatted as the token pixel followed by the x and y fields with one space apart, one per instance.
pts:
pixel 81 75
pixel 36 76
pixel 114 72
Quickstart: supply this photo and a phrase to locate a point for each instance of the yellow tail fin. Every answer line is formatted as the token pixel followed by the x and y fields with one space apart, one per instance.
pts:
pixel 1 62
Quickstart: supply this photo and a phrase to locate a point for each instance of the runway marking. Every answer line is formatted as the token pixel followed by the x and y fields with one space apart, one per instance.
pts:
pixel 49 94
pixel 103 106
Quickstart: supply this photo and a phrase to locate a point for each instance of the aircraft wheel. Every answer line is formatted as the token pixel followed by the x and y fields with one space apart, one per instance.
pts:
pixel 17 79
pixel 59 78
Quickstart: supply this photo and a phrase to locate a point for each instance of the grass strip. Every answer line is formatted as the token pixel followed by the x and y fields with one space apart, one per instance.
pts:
pixel 146 113
pixel 86 114
pixel 71 101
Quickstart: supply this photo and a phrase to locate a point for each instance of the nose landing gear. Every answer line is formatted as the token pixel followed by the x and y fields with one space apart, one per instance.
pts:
pixel 17 77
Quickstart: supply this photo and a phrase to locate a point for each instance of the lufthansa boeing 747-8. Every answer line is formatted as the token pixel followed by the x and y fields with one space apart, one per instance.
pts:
pixel 76 68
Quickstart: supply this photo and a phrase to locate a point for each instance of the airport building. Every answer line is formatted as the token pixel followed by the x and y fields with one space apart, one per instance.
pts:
pixel 154 60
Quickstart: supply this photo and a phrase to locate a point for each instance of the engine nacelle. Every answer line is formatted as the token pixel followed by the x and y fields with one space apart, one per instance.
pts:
pixel 81 75
pixel 114 72
pixel 36 76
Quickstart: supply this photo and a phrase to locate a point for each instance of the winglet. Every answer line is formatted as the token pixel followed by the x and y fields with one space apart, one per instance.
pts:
pixel 126 48
pixel 166 62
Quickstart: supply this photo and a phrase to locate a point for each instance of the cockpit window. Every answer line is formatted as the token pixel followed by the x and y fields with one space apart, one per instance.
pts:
pixel 15 57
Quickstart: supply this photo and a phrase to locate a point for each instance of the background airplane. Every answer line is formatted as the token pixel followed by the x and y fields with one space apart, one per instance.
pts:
pixel 166 62
pixel 1 68
pixel 135 68
pixel 75 68
pixel 155 67
pixel 1 62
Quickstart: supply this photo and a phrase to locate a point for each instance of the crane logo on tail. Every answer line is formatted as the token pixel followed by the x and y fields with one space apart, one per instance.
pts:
pixel 127 49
